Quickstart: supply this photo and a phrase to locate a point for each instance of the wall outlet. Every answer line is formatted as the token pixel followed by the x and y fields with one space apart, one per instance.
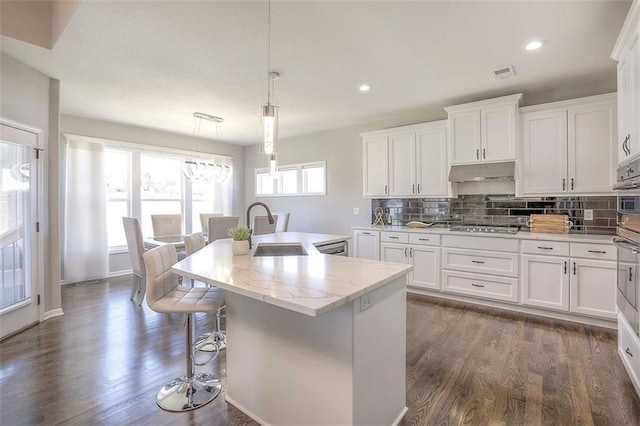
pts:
pixel 366 301
pixel 588 215
pixel 356 210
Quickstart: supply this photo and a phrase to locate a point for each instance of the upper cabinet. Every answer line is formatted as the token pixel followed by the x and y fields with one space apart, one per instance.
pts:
pixel 568 147
pixel 484 131
pixel 627 53
pixel 409 161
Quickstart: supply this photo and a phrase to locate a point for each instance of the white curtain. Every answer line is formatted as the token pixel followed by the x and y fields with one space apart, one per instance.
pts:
pixel 86 246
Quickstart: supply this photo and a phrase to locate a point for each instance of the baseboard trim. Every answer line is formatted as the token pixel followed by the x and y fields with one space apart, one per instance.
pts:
pixel 245 411
pixel 52 314
pixel 398 419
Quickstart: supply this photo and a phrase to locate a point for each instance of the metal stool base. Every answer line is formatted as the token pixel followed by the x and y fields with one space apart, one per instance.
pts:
pixel 208 342
pixel 181 394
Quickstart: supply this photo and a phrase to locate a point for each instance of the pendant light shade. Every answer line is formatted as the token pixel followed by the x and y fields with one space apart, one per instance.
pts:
pixel 269 128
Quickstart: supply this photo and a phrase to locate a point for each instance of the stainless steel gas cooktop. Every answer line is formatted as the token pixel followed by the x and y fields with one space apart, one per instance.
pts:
pixel 492 229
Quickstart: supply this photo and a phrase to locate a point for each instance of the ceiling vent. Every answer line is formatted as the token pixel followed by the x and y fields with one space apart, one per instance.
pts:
pixel 503 73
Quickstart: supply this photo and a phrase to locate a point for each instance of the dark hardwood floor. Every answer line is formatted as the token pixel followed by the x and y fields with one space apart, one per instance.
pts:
pixel 105 359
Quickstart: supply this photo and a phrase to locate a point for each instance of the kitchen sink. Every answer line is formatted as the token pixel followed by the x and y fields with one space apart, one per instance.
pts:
pixel 280 249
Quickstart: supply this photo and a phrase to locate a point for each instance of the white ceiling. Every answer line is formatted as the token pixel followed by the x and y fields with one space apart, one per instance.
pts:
pixel 154 63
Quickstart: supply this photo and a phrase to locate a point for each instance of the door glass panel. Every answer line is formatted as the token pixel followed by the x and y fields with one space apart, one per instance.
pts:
pixel 14 216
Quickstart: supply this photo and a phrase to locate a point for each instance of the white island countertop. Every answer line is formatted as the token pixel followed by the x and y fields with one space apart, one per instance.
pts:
pixel 311 285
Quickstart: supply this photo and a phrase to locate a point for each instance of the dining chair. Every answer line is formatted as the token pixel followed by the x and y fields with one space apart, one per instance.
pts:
pixel 133 233
pixel 217 339
pixel 166 224
pixel 204 221
pixel 282 224
pixel 219 227
pixel 166 295
pixel 262 226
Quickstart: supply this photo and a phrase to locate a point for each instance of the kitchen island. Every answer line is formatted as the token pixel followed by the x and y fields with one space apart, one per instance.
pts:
pixel 312 339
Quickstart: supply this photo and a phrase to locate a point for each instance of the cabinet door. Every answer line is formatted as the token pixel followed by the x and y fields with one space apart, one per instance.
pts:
pixel 544 162
pixel 426 266
pixel 375 171
pixel 545 282
pixel 593 288
pixel 634 98
pixel 624 108
pixel 431 162
pixel 498 129
pixel 465 137
pixel 397 253
pixel 591 148
pixel 402 164
pixel 366 245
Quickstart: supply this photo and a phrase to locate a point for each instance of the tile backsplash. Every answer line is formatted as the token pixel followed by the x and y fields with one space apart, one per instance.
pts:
pixel 502 210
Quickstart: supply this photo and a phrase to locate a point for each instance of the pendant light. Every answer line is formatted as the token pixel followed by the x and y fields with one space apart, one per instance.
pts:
pixel 269 111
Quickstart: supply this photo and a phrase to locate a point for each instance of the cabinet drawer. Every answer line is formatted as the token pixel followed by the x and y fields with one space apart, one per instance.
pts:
pixel 629 351
pixel 424 239
pixel 481 243
pixel 486 262
pixel 550 248
pixel 394 237
pixel 594 251
pixel 498 288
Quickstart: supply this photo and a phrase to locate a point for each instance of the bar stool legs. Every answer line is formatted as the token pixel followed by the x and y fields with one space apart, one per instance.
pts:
pixel 191 391
pixel 214 341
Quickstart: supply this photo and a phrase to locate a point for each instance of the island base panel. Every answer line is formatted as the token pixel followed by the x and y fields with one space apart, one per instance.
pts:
pixel 346 366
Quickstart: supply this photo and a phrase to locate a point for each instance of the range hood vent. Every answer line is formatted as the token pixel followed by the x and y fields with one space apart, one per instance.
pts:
pixel 482 172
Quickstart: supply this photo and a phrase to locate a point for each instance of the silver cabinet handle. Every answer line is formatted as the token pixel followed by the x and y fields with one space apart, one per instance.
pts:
pixel 411 252
pixel 393 238
pixel 418 188
pixel 598 251
pixel 628 351
pixel 477 285
pixel 564 185
pixel 385 189
pixel 405 252
pixel 424 239
pixel 413 188
pixel 477 261
pixel 545 248
pixel 366 233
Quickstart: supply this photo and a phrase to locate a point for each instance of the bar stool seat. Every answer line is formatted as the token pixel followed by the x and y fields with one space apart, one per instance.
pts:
pixel 166 295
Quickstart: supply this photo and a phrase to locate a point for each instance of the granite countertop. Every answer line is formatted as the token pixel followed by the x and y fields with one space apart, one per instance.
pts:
pixel 311 285
pixel 522 234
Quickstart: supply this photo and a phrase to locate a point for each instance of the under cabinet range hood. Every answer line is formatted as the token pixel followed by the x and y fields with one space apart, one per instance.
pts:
pixel 482 172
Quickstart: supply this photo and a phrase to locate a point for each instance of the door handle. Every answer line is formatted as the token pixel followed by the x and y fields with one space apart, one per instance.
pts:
pixel 574 268
pixel 413 188
pixel 597 251
pixel 405 252
pixel 411 252
pixel 484 153
pixel 393 238
pixel 628 351
pixel 572 184
pixel 477 154
pixel 385 189
pixel 418 188
pixel 630 274
pixel 564 185
pixel 545 248
pixel 481 286
pixel 477 261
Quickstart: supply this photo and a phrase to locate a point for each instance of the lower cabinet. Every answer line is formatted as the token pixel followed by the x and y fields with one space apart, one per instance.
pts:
pixel 593 288
pixel 366 244
pixel 424 258
pixel 629 351
pixel 545 282
pixel 480 285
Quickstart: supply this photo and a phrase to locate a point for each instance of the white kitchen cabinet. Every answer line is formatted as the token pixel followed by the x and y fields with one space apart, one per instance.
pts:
pixel 375 165
pixel 629 350
pixel 627 53
pixel 545 282
pixel 593 288
pixel 408 161
pixel 483 131
pixel 424 258
pixel 568 147
pixel 366 244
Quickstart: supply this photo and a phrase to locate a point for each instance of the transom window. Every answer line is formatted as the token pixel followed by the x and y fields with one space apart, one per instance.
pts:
pixel 292 180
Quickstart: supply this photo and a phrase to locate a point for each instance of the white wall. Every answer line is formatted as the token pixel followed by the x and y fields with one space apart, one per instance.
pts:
pixel 342 150
pixel 26 99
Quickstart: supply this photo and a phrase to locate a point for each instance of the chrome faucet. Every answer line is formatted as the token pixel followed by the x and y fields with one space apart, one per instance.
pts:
pixel 270 217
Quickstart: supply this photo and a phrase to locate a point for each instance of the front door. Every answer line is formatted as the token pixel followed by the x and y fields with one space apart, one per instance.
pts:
pixel 18 238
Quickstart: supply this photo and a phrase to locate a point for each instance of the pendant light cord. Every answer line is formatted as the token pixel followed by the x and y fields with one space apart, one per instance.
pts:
pixel 269 53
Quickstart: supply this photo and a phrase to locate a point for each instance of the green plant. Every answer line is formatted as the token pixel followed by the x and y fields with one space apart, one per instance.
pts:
pixel 239 233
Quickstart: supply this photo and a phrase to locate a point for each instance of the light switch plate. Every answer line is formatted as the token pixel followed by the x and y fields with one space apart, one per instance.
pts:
pixel 588 215
pixel 366 301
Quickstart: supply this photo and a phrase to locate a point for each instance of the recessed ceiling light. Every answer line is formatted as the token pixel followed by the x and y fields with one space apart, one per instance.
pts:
pixel 536 44
pixel 365 88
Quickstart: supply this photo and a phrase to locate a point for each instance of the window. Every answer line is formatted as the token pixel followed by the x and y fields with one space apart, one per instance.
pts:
pixel 142 183
pixel 292 179
pixel 118 184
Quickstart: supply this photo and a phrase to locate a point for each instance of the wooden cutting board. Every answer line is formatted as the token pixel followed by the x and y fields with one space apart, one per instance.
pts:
pixel 549 223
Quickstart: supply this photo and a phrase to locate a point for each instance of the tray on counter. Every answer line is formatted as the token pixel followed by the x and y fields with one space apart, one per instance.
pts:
pixel 549 223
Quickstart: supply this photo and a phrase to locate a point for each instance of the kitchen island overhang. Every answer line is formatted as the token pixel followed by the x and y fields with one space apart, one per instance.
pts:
pixel 314 339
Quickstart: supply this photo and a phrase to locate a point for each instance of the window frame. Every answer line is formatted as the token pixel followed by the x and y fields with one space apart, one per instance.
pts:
pixel 301 190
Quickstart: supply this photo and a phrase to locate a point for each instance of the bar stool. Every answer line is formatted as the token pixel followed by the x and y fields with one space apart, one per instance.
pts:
pixel 219 227
pixel 262 226
pixel 217 339
pixel 165 295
